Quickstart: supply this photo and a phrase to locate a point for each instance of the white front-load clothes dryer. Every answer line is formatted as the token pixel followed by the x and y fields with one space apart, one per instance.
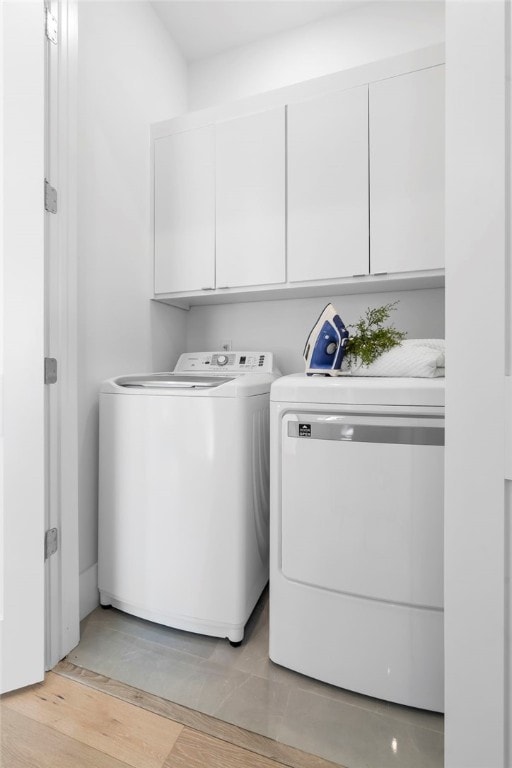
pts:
pixel 183 492
pixel 356 534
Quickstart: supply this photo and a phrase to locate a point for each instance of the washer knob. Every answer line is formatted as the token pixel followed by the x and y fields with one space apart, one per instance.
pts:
pixel 222 359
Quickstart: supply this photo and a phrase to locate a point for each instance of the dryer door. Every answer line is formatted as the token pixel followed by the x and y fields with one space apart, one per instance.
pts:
pixel 362 505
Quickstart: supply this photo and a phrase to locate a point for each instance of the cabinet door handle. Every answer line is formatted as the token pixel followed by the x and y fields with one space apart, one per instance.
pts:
pixel 362 274
pixel 222 287
pixel 379 273
pixel 208 289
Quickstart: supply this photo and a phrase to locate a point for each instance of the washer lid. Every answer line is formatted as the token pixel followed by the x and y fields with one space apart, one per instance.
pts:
pixel 348 390
pixel 188 385
pixel 172 381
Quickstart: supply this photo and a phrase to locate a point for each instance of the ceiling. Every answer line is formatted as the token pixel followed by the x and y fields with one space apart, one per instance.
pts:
pixel 203 28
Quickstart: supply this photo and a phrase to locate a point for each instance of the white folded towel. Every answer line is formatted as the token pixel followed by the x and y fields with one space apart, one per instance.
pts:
pixel 422 358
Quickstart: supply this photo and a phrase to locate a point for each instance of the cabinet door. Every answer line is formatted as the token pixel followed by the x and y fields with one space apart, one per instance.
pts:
pixel 407 172
pixel 250 200
pixel 185 211
pixel 328 186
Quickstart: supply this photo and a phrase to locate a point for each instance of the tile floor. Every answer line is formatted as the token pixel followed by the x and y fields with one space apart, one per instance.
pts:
pixel 242 686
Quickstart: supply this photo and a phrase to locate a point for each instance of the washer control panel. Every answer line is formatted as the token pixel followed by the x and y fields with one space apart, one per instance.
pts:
pixel 234 362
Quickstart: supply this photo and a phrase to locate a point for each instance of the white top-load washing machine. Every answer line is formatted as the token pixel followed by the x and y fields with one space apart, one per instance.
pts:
pixel 356 534
pixel 183 492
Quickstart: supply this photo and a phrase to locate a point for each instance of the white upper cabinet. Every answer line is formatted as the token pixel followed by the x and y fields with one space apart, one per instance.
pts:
pixel 407 172
pixel 185 211
pixel 305 189
pixel 328 224
pixel 250 200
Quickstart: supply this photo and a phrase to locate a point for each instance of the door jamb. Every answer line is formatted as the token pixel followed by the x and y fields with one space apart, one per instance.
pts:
pixel 62 568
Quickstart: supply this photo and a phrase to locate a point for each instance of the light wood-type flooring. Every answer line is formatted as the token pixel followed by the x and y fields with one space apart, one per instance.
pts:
pixel 63 723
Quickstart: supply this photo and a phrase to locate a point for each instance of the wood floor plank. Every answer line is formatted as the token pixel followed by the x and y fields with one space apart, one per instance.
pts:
pixel 254 742
pixel 25 743
pixel 135 736
pixel 197 750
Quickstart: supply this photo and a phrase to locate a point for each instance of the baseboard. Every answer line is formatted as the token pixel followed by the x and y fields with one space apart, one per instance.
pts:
pixel 89 595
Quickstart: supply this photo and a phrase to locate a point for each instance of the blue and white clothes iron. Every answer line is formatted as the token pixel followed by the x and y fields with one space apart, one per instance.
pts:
pixel 326 344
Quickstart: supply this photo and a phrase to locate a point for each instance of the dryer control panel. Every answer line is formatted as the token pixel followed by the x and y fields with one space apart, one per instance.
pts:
pixel 223 362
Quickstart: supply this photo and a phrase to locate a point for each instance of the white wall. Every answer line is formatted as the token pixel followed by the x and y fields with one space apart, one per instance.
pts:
pixel 130 74
pixel 367 33
pixel 363 35
pixel 283 326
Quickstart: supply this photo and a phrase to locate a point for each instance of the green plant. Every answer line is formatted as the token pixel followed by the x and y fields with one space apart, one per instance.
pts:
pixel 371 337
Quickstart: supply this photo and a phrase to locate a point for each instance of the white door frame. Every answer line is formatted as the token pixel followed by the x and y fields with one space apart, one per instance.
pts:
pixel 478 335
pixel 61 569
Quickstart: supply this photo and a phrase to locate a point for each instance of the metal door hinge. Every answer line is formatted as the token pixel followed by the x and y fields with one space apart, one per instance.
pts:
pixel 50 370
pixel 51 27
pixel 508 427
pixel 51 542
pixel 50 197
